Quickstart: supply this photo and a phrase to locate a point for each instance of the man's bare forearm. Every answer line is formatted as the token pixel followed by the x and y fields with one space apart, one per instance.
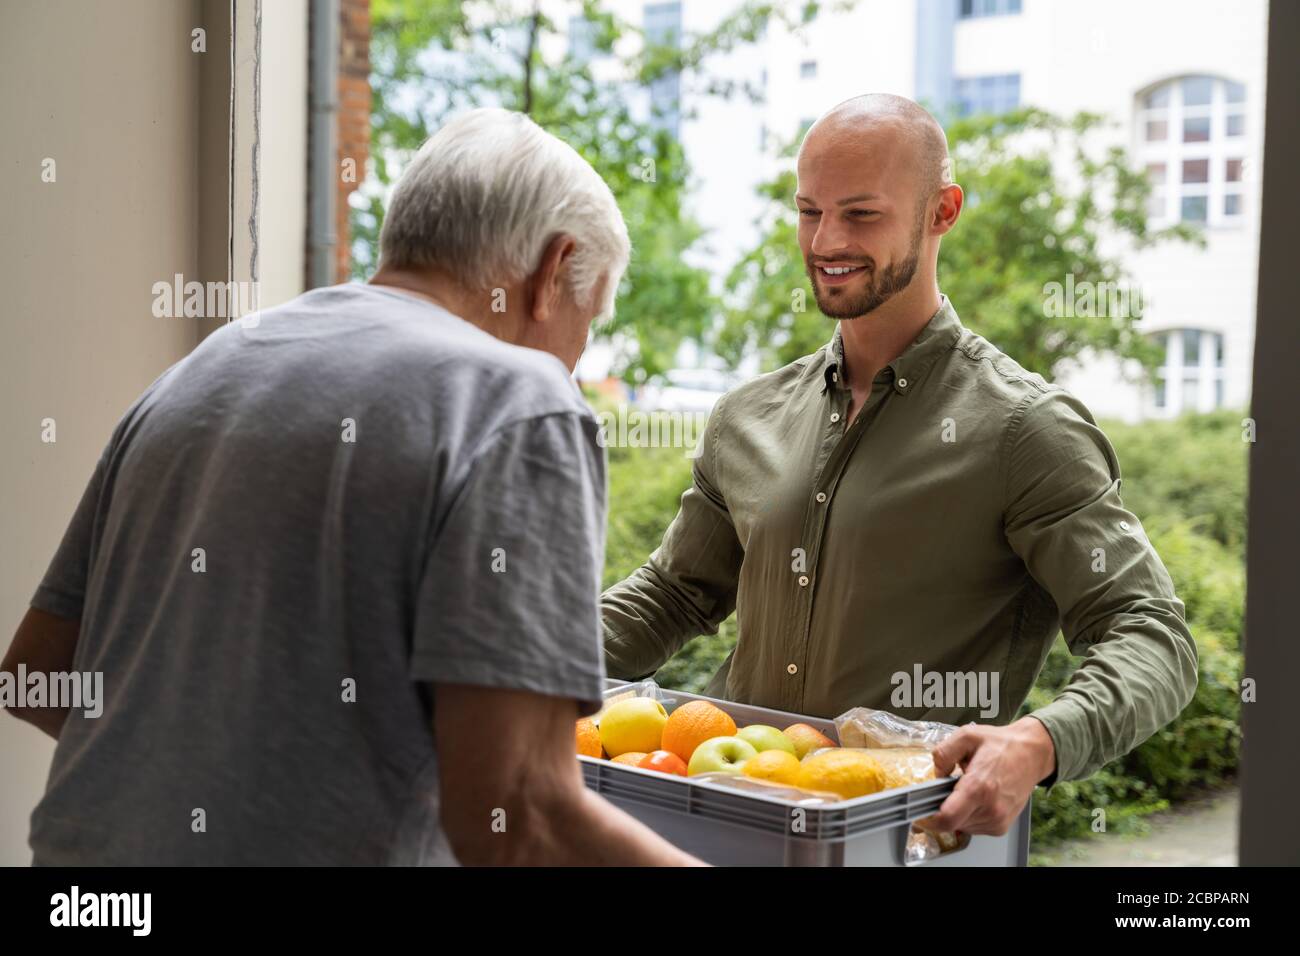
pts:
pixel 571 827
pixel 44 643
pixel 615 838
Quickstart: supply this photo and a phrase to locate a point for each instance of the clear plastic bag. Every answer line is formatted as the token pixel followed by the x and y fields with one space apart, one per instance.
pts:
pixel 904 747
pixel 867 728
pixel 641 688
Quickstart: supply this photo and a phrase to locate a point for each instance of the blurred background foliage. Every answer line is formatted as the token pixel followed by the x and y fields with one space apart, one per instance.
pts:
pixel 1028 214
pixel 432 59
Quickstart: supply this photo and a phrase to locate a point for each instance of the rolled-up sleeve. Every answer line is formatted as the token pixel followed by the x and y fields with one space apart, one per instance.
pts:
pixel 1118 610
pixel 688 585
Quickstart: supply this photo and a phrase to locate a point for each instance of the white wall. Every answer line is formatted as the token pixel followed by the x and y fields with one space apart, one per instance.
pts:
pixel 111 92
pixel 83 86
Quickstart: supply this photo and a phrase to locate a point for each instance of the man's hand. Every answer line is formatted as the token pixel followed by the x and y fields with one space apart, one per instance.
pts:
pixel 1000 768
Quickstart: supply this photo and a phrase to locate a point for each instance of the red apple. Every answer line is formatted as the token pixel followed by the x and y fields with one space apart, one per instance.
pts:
pixel 806 739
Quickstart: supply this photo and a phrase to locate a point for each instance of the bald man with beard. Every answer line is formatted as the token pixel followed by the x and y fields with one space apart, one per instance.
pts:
pixel 906 518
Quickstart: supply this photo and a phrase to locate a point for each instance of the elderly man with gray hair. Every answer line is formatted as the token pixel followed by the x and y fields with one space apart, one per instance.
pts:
pixel 339 566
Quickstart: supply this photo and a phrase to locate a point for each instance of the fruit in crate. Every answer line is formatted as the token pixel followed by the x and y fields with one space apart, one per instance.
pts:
pixel 850 773
pixel 632 758
pixel 721 754
pixel 692 724
pixel 778 766
pixel 664 761
pixel 764 738
pixel 635 724
pixel 806 739
pixel 588 738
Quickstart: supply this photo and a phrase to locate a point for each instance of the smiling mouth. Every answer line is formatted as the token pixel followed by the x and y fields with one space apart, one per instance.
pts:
pixel 838 275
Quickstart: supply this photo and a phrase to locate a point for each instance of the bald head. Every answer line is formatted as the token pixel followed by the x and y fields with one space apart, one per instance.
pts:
pixel 889 121
pixel 875 196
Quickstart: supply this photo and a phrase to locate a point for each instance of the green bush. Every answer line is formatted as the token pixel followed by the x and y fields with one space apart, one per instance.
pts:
pixel 1186 480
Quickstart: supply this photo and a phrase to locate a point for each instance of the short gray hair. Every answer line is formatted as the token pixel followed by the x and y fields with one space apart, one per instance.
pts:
pixel 487 192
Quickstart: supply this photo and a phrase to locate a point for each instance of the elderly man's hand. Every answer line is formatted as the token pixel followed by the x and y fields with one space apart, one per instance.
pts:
pixel 1000 768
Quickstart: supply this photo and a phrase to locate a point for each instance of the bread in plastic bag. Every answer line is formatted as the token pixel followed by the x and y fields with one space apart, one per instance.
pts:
pixel 904 747
pixel 867 728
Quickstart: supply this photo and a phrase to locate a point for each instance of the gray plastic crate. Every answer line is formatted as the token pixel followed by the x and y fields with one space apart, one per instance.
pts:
pixel 731 828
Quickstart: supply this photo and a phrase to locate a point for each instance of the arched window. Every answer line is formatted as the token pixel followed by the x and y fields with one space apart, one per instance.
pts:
pixel 1191 136
pixel 1191 377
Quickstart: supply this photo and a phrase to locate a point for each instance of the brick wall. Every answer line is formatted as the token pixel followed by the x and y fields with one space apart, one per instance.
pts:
pixel 353 115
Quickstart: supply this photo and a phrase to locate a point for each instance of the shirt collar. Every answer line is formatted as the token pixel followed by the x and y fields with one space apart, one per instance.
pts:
pixel 938 336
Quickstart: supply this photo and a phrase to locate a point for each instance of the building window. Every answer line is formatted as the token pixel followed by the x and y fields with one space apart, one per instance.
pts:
pixel 663 27
pixel 582 39
pixel 807 69
pixel 987 94
pixel 1189 133
pixel 1190 379
pixel 969 9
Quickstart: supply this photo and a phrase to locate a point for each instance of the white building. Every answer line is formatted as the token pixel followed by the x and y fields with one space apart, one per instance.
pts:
pixel 1182 79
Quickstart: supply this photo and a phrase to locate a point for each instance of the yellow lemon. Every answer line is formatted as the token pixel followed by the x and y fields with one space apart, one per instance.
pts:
pixel 636 724
pixel 850 773
pixel 779 766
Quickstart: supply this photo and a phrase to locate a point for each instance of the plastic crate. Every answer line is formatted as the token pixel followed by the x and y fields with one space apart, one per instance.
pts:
pixel 732 828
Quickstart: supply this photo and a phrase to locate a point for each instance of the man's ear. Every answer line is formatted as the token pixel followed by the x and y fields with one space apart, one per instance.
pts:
pixel 948 208
pixel 549 283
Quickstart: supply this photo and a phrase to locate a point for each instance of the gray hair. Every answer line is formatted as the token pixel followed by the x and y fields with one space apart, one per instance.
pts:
pixel 487 192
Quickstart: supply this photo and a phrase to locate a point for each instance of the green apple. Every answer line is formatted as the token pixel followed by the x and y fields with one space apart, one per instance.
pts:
pixel 764 737
pixel 722 754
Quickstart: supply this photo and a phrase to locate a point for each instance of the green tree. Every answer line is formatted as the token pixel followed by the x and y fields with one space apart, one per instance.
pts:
pixel 434 58
pixel 1030 219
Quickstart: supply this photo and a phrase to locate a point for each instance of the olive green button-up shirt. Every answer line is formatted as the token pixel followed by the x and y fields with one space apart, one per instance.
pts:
pixel 921 560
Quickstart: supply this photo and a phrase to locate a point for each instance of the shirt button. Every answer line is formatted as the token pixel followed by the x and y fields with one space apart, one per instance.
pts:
pixel 1124 525
pixel 803 580
pixel 902 383
pixel 835 376
pixel 791 669
pixel 835 416
pixel 821 496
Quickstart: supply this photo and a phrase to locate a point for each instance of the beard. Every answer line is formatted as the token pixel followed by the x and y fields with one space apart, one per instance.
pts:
pixel 837 302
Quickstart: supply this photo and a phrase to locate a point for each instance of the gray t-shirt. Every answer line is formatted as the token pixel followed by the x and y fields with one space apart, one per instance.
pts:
pixel 362 495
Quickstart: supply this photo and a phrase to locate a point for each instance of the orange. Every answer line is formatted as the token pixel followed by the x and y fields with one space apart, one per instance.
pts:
pixel 631 758
pixel 850 773
pixel 588 738
pixel 779 766
pixel 691 724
